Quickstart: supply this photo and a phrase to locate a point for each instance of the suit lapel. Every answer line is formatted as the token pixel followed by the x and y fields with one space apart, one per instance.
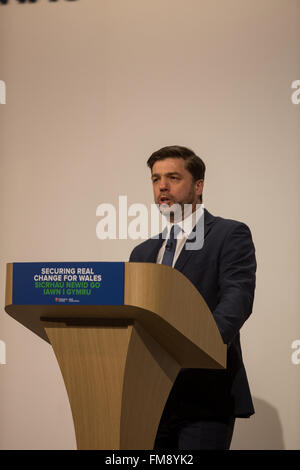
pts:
pixel 155 246
pixel 156 243
pixel 186 254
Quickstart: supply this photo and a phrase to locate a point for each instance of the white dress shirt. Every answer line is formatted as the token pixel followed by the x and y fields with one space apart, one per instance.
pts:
pixel 186 226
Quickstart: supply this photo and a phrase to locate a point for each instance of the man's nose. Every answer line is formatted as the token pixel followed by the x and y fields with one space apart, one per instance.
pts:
pixel 163 186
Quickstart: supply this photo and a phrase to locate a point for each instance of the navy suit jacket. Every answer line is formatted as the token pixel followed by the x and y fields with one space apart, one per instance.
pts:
pixel 223 271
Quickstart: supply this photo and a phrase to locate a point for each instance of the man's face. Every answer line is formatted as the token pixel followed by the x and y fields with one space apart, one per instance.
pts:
pixel 173 183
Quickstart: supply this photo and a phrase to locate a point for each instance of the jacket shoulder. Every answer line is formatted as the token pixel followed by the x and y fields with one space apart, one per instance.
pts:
pixel 139 251
pixel 227 224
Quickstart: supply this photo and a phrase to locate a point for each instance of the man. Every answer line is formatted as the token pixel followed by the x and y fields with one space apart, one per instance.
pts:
pixel 203 404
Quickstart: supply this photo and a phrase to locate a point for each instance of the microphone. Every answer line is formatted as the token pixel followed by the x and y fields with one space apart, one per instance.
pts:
pixel 169 245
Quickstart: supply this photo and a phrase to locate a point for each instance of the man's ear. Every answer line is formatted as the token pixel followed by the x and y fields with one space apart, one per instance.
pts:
pixel 199 187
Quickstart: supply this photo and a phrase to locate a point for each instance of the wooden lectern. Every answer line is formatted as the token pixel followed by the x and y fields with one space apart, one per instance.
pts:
pixel 119 362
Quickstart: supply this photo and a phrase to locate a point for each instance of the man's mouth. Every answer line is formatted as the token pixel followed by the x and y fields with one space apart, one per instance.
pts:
pixel 164 200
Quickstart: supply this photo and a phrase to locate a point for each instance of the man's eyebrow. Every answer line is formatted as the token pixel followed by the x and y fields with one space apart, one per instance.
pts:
pixel 171 173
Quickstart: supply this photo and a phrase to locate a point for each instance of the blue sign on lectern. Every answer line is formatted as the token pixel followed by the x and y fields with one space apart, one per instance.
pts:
pixel 68 283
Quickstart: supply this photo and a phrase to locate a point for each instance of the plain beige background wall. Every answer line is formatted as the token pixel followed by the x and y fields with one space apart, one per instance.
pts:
pixel 93 88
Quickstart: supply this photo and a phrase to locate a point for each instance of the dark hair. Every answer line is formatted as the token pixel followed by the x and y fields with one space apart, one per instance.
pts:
pixel 194 164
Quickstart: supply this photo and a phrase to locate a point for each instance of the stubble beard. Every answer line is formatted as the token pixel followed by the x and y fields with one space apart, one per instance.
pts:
pixel 178 211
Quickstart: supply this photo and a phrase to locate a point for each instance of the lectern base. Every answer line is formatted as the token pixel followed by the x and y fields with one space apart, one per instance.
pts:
pixel 118 379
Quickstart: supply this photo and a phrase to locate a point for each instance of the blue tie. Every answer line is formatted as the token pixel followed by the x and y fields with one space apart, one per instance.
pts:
pixel 171 246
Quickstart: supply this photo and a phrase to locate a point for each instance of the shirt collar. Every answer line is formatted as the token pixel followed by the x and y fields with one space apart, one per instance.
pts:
pixel 189 222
